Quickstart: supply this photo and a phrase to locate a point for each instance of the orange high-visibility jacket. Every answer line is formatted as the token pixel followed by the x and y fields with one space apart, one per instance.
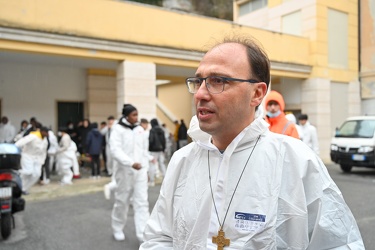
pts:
pixel 280 124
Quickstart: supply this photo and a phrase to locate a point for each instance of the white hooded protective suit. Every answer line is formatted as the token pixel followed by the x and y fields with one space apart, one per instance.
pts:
pixel 34 152
pixel 66 159
pixel 285 198
pixel 310 136
pixel 110 162
pixel 129 146
pixel 7 132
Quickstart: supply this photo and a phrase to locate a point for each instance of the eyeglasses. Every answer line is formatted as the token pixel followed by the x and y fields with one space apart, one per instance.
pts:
pixel 214 84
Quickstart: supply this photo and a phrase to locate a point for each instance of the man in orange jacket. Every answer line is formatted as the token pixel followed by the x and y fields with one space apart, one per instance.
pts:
pixel 275 115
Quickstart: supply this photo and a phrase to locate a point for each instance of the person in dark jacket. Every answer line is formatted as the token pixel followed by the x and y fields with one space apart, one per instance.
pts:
pixel 182 135
pixel 83 131
pixel 31 127
pixel 94 148
pixel 156 147
pixel 71 130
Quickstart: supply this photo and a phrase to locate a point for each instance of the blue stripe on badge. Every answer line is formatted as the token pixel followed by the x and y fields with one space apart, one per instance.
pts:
pixel 250 217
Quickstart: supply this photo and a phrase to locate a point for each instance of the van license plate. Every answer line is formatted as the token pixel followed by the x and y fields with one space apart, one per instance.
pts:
pixel 5 192
pixel 358 157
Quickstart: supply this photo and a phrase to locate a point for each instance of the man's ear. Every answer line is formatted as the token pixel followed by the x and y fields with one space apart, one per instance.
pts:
pixel 259 92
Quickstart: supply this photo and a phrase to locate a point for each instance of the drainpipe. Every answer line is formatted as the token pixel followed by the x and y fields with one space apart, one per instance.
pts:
pixel 359 50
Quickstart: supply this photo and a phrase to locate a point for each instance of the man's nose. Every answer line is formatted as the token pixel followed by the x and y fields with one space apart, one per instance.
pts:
pixel 202 91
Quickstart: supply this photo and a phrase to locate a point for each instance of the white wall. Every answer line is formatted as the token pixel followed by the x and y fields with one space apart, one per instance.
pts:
pixel 338 25
pixel 339 104
pixel 291 91
pixel 28 90
pixel 272 18
pixel 368 107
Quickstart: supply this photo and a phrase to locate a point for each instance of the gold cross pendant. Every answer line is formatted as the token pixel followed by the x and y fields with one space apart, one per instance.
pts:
pixel 220 240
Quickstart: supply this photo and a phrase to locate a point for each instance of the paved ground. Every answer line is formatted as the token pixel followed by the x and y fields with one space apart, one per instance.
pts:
pixel 80 186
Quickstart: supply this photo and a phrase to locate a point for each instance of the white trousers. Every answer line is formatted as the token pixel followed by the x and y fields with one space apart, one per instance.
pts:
pixel 67 176
pixel 75 166
pixel 63 165
pixel 182 143
pixel 113 185
pixel 29 179
pixel 52 159
pixel 131 183
pixel 110 162
pixel 30 172
pixel 159 165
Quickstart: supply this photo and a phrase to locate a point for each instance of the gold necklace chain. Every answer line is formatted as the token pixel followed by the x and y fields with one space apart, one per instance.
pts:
pixel 235 189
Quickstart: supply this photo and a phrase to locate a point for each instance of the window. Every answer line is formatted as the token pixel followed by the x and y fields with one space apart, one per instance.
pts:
pixel 359 128
pixel 251 6
pixel 291 24
pixel 337 39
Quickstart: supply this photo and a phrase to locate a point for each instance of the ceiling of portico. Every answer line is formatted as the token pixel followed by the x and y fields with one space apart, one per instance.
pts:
pixel 31 58
pixel 163 72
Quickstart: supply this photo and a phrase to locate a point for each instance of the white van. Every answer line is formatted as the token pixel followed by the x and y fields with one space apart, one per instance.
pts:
pixel 354 143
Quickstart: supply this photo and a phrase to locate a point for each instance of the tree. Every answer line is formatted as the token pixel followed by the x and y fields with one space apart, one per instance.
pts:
pixel 222 9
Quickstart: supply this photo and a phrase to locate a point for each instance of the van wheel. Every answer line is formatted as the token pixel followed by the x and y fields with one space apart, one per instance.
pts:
pixel 346 168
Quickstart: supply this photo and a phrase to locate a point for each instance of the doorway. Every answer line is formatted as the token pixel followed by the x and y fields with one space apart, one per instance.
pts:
pixel 69 111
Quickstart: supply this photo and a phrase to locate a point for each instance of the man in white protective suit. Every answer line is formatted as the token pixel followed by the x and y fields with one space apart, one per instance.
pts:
pixel 66 158
pixel 111 167
pixel 129 149
pixel 34 152
pixel 238 185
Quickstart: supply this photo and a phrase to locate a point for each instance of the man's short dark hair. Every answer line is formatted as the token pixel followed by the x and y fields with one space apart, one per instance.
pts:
pixel 303 117
pixel 257 57
pixel 45 129
pixel 38 125
pixel 111 117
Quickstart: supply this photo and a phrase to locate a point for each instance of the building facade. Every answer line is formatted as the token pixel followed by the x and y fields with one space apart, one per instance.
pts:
pixel 59 58
pixel 337 86
pixel 367 55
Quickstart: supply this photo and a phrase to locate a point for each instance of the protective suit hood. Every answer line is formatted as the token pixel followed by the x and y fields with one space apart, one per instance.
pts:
pixel 275 96
pixel 203 139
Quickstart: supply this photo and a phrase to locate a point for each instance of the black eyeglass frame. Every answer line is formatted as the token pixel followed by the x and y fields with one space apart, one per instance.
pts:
pixel 224 79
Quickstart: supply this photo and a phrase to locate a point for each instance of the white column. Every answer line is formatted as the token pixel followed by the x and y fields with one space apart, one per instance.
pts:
pixel 136 84
pixel 316 103
pixel 354 98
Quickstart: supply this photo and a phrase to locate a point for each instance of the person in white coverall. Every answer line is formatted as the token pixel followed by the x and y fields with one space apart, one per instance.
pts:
pixel 310 135
pixel 238 185
pixel 7 131
pixel 111 166
pixel 34 152
pixel 66 158
pixel 291 117
pixel 128 147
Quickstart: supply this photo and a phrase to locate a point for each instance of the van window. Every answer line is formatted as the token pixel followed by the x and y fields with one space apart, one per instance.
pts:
pixel 357 128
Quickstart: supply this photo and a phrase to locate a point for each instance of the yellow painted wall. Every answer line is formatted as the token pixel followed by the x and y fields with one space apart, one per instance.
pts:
pixel 101 94
pixel 135 23
pixel 178 100
pixel 320 47
pixel 367 38
pixel 367 49
pixel 318 36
